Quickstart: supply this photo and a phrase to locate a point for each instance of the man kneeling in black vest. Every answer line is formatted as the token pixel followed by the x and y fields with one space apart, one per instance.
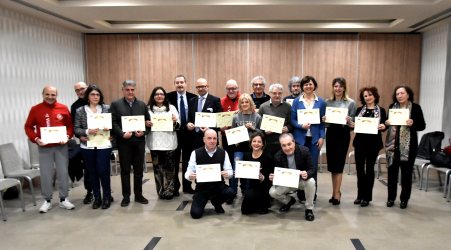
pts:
pixel 217 191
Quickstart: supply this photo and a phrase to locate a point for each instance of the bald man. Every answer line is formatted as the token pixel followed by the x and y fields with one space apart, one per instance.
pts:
pixel 76 157
pixel 218 192
pixel 50 113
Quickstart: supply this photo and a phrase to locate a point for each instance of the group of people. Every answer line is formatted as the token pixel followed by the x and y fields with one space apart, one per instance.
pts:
pixel 297 147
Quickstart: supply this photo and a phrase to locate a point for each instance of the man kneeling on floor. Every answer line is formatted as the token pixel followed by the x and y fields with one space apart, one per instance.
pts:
pixel 218 192
pixel 294 157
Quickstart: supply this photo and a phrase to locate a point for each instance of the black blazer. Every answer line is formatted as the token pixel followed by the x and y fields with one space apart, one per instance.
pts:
pixel 212 104
pixel 302 158
pixel 172 98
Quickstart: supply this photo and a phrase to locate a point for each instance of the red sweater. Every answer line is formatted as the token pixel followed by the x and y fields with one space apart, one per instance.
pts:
pixel 228 105
pixel 48 115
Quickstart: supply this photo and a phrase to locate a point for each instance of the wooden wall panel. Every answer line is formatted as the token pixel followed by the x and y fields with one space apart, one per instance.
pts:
pixel 220 57
pixel 111 59
pixel 162 57
pixel 275 56
pixel 388 60
pixel 327 56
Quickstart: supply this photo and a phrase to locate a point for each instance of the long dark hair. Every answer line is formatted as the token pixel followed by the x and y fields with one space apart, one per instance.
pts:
pixel 91 88
pixel 151 101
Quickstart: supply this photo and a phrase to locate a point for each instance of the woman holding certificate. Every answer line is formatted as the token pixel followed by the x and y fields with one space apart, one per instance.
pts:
pixel 96 151
pixel 367 145
pixel 306 113
pixel 247 117
pixel 402 143
pixel 341 110
pixel 256 192
pixel 162 141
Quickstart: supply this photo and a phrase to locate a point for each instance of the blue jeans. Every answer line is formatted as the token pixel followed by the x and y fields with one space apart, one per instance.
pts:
pixel 237 156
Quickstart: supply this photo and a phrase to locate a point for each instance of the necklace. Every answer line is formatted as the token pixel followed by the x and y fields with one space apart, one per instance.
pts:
pixel 256 154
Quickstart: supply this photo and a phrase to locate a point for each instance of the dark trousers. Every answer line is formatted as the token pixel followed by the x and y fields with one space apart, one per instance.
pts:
pixel 131 154
pixel 364 163
pixel 217 193
pixel 256 197
pixel 163 166
pixel 98 164
pixel 406 180
pixel 185 147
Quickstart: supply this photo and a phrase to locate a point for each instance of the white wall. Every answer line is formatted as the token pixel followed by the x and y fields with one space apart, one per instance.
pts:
pixel 434 68
pixel 34 53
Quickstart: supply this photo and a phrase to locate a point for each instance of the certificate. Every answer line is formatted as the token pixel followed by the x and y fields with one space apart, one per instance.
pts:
pixel 205 119
pixel 162 122
pixel 366 125
pixel 247 169
pixel 224 119
pixel 237 135
pixel 336 115
pixel 99 121
pixel 133 123
pixel 289 101
pixel 308 116
pixel 53 134
pixel 101 139
pixel 272 123
pixel 398 116
pixel 208 172
pixel 286 177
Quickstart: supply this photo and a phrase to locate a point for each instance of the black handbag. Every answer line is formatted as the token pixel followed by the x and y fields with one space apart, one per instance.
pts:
pixel 441 159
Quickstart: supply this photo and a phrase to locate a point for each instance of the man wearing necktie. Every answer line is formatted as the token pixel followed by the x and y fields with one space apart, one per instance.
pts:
pixel 180 99
pixel 204 102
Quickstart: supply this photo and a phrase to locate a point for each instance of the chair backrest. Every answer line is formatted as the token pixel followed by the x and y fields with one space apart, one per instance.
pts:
pixel 430 143
pixel 10 159
pixel 34 154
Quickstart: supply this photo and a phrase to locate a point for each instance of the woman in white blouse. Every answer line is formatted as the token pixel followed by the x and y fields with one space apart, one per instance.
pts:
pixel 96 157
pixel 163 142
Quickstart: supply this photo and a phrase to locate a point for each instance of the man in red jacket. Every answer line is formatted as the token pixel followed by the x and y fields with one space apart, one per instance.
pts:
pixel 50 113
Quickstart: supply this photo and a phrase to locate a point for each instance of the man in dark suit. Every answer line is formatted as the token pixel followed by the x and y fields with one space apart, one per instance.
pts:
pixel 204 102
pixel 180 99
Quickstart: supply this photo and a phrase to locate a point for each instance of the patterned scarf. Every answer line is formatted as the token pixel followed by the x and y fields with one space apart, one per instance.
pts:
pixel 404 140
pixel 377 111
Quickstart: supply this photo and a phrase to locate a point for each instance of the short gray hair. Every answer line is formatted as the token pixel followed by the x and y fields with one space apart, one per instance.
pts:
pixel 275 86
pixel 259 78
pixel 127 83
pixel 284 135
pixel 293 80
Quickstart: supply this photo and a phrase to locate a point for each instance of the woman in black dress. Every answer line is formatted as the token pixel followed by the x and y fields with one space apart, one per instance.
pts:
pixel 256 192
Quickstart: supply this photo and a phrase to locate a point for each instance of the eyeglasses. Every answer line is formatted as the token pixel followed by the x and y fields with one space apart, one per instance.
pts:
pixel 258 84
pixel 201 87
pixel 231 89
pixel 79 90
pixel 94 94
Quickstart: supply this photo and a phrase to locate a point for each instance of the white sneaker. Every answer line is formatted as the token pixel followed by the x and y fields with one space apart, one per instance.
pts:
pixel 66 204
pixel 46 206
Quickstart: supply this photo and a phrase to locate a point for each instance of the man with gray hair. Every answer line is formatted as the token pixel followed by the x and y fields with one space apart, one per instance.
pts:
pixel 294 86
pixel 258 85
pixel 131 145
pixel 276 107
pixel 298 157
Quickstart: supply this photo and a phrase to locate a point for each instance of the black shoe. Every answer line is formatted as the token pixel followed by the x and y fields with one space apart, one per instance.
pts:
pixel 364 203
pixel 176 194
pixel 331 199
pixel 219 209
pixel 403 205
pixel 88 198
pixel 309 216
pixel 111 199
pixel 229 201
pixel 390 203
pixel 97 203
pixel 125 202
pixel 335 202
pixel 263 211
pixel 287 207
pixel 357 201
pixel 141 199
pixel 106 203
